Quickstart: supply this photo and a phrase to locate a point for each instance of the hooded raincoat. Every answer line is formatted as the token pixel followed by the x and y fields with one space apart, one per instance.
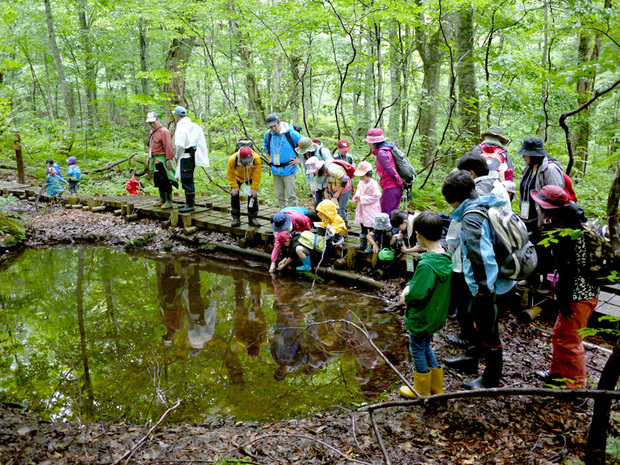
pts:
pixel 328 212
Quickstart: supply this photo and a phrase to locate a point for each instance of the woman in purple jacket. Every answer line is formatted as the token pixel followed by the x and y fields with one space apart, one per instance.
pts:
pixel 386 168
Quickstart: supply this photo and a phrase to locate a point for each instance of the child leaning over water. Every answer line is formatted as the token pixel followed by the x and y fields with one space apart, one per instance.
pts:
pixel 427 298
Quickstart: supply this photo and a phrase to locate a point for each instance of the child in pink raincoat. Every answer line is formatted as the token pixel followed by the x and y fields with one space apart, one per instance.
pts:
pixel 367 196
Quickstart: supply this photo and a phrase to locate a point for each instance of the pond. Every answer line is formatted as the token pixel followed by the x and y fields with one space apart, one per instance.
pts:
pixel 95 334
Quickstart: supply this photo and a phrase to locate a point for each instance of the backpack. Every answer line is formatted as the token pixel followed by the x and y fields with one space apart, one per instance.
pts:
pixel 515 255
pixel 496 153
pixel 599 253
pixel 350 169
pixel 312 241
pixel 287 135
pixel 568 182
pixel 245 143
pixel 403 167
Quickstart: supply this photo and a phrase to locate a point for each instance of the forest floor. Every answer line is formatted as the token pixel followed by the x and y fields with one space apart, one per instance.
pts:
pixel 517 429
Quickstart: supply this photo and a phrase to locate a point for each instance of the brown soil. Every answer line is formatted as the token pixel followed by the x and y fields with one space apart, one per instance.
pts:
pixel 518 429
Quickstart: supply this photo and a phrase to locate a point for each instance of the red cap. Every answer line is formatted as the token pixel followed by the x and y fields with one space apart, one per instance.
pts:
pixel 343 145
pixel 245 152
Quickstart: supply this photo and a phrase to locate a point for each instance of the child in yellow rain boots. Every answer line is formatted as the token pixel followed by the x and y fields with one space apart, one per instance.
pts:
pixel 427 297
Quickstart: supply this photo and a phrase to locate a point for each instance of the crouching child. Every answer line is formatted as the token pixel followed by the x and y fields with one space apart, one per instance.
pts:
pixel 427 297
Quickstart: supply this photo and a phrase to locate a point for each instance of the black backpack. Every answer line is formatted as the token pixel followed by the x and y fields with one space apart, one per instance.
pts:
pixel 287 135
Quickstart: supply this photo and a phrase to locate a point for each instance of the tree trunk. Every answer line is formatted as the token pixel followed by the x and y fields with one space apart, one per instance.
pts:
pixel 64 87
pixel 177 59
pixel 582 122
pixel 144 60
pixel 466 77
pixel 79 294
pixel 395 83
pixel 379 74
pixel 90 72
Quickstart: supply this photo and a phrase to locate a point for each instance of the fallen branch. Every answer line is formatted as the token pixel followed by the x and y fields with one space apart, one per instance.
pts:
pixel 110 166
pixel 8 167
pixel 130 452
pixel 267 436
pixel 211 180
pixel 379 439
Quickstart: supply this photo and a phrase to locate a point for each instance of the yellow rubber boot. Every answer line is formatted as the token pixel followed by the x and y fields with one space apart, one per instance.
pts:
pixel 421 383
pixel 436 380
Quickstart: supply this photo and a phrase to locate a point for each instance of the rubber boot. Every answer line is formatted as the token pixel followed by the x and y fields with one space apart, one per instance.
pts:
pixel 189 204
pixel 236 222
pixel 162 198
pixel 492 373
pixel 421 383
pixel 305 265
pixel 467 363
pixel 363 243
pixel 168 201
pixel 436 380
pixel 252 221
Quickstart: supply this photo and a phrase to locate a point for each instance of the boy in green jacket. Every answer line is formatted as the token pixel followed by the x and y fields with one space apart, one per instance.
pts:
pixel 427 297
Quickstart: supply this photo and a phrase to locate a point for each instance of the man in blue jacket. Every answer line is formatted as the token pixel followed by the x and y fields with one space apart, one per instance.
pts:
pixel 279 144
pixel 481 275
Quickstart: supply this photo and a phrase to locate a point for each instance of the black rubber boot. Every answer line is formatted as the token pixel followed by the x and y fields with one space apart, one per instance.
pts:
pixel 467 363
pixel 189 204
pixel 236 222
pixel 492 373
pixel 252 221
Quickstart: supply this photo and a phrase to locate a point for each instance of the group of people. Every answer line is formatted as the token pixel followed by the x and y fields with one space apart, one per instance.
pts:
pixel 55 182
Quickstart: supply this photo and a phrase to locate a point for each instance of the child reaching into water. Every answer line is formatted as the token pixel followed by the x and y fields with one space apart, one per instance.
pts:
pixel 367 196
pixel 427 298
pixel 74 174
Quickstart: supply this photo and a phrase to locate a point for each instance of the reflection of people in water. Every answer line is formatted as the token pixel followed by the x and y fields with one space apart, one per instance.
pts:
pixel 286 348
pixel 201 314
pixel 169 289
pixel 250 324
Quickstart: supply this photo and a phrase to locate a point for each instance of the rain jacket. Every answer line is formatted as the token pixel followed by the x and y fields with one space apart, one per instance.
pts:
pixel 386 167
pixel 479 265
pixel 549 173
pixel 429 294
pixel 328 211
pixel 54 184
pixel 238 173
pixel 280 145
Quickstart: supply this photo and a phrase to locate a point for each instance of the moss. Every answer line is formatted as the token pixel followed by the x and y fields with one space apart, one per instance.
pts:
pixel 139 242
pixel 13 226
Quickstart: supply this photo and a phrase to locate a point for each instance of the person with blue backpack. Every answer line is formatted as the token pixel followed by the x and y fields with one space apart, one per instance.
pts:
pixel 279 143
pixel 74 174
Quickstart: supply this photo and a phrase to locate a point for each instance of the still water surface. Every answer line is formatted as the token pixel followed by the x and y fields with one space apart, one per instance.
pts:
pixel 97 334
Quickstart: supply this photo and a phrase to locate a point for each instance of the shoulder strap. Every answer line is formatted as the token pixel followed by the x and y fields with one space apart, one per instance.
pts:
pixel 288 138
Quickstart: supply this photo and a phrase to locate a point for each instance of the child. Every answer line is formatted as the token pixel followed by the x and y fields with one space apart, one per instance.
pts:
pixel 293 249
pixel 427 297
pixel 403 223
pixel 381 235
pixel 367 196
pixel 332 222
pixel 134 185
pixel 74 174
pixel 289 220
pixel 342 152
pixel 54 183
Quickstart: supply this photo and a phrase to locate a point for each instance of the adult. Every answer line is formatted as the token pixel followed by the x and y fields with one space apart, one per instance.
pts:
pixel 480 270
pixel 493 145
pixel 576 293
pixel 161 161
pixel 191 150
pixel 339 184
pixel 539 171
pixel 317 183
pixel 342 152
pixel 279 143
pixel 243 172
pixel 389 179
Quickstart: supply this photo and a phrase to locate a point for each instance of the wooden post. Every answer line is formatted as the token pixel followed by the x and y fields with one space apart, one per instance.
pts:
pixel 21 176
pixel 174 218
pixel 123 208
pixel 130 208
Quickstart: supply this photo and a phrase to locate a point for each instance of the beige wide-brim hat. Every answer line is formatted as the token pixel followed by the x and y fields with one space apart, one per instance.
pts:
pixel 305 145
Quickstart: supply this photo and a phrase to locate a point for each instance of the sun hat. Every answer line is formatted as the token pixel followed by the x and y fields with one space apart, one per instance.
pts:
pixel 374 136
pixel 180 111
pixel 72 161
pixel 363 168
pixel 282 236
pixel 272 119
pixel 304 145
pixel 151 117
pixel 534 147
pixel 343 145
pixel 550 197
pixel 313 165
pixel 245 154
pixel 510 186
pixel 493 134
pixel 281 221
pixel 382 222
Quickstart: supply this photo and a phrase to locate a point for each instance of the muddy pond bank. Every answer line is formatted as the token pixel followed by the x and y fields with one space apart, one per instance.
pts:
pixel 522 430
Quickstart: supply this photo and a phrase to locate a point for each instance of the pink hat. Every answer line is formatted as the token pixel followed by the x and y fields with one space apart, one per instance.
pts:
pixel 282 236
pixel 550 197
pixel 313 165
pixel 374 136
pixel 343 145
pixel 363 168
